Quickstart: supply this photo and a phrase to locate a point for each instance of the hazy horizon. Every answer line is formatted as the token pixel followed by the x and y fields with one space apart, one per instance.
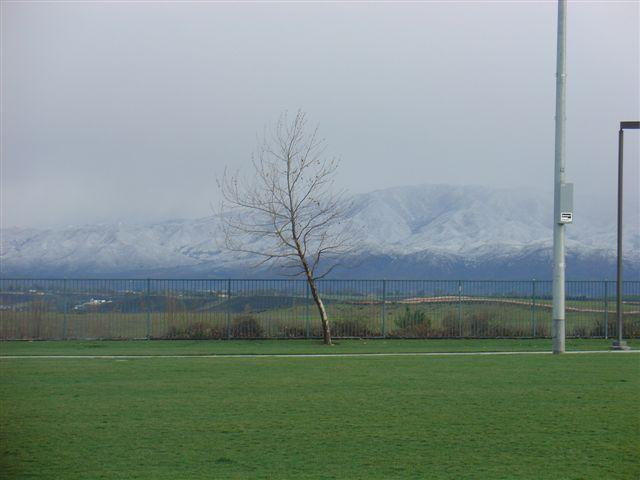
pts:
pixel 598 209
pixel 127 112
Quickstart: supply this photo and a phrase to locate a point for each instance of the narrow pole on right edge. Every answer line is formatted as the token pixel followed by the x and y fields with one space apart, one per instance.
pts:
pixel 558 228
pixel 620 343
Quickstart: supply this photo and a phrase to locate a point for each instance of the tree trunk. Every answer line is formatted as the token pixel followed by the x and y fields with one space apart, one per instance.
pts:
pixel 326 328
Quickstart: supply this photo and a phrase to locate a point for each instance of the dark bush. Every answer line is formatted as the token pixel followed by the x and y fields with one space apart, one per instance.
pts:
pixel 413 324
pixel 288 331
pixel 578 331
pixel 246 326
pixel 514 331
pixel 599 328
pixel 411 318
pixel 352 327
pixel 542 330
pixel 422 330
pixel 193 331
pixel 39 310
pixel 478 325
pixel 631 326
pixel 450 325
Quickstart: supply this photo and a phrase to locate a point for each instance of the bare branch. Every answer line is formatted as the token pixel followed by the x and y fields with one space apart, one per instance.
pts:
pixel 287 212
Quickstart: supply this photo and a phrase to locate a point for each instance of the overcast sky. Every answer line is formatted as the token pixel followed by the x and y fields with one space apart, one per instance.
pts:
pixel 126 111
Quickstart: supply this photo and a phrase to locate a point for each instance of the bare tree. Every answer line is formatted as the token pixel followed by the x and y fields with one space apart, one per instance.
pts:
pixel 288 212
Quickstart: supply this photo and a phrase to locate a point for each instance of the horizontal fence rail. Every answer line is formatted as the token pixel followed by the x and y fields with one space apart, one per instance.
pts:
pixel 40 309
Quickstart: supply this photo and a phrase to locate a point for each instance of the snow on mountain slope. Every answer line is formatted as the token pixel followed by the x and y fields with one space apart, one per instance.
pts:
pixel 451 219
pixel 444 228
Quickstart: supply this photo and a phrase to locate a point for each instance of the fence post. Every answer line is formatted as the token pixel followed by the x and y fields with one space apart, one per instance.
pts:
pixel 228 309
pixel 307 321
pixel 384 309
pixel 148 308
pixel 460 306
pixel 533 307
pixel 65 307
pixel 606 311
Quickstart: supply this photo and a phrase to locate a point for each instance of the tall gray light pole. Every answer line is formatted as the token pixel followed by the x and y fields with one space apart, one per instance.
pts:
pixel 620 344
pixel 558 179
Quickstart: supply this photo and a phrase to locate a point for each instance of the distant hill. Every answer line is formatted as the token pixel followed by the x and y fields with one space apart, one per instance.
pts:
pixel 428 231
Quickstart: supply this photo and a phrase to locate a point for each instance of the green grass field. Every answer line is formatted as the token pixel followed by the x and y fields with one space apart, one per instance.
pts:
pixel 502 417
pixel 224 347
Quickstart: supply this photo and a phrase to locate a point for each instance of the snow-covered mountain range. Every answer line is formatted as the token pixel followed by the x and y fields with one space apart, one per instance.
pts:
pixel 428 231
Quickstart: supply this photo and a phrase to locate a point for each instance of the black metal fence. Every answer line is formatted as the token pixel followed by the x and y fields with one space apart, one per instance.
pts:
pixel 237 309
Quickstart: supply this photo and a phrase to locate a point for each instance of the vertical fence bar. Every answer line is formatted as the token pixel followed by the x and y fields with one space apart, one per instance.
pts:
pixel 277 292
pixel 533 307
pixel 307 323
pixel 65 308
pixel 228 312
pixel 384 309
pixel 606 310
pixel 148 309
pixel 460 307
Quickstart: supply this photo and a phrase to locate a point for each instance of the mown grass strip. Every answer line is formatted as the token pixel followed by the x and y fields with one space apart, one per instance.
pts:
pixel 257 347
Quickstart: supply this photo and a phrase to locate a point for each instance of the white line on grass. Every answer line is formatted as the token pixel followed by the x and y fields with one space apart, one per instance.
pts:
pixel 307 355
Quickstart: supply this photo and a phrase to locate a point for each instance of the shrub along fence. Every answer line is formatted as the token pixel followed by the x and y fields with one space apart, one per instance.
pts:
pixel 242 309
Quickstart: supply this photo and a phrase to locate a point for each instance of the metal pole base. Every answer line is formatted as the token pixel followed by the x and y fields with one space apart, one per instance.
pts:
pixel 558 335
pixel 620 345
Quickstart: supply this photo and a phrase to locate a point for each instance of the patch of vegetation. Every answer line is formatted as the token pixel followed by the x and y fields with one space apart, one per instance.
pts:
pixel 40 319
pixel 413 323
pixel 352 327
pixel 194 331
pixel 411 317
pixel 246 326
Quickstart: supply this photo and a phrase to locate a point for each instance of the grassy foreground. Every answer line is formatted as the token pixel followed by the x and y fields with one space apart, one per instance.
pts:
pixel 209 347
pixel 502 417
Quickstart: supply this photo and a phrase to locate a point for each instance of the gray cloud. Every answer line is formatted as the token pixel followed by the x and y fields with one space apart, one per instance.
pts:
pixel 126 111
